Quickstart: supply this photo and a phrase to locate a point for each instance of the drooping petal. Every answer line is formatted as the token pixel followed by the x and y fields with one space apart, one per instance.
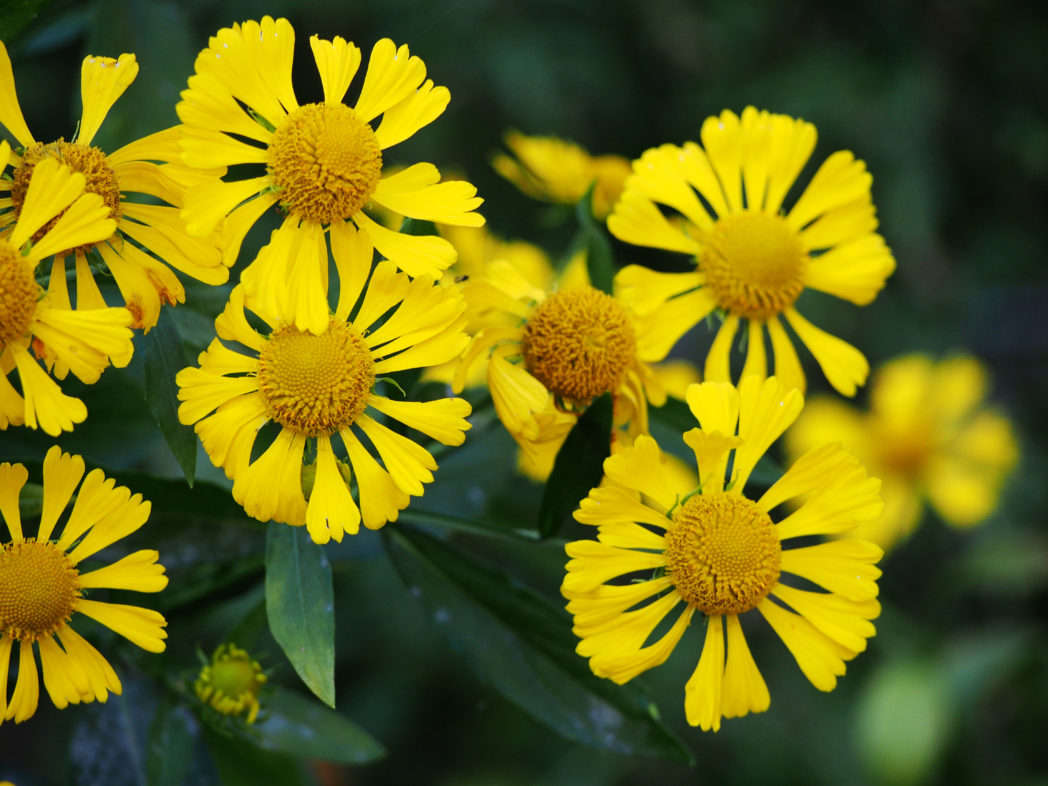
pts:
pixel 102 81
pixel 703 690
pixel 744 689
pixel 140 626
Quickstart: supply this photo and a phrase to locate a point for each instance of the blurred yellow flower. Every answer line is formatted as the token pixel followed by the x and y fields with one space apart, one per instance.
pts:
pixel 42 588
pixel 753 259
pixel 561 172
pixel 665 553
pixel 147 237
pixel 928 434
pixel 230 682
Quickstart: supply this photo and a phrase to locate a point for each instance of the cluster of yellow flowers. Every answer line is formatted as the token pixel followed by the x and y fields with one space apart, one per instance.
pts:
pixel 293 400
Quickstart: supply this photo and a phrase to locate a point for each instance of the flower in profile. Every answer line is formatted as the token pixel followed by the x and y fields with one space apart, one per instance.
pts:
pixel 558 171
pixel 928 434
pixel 42 586
pixel 323 162
pixel 302 388
pixel 754 259
pixel 147 237
pixel 664 554
pixel 550 353
pixel 56 214
pixel 230 682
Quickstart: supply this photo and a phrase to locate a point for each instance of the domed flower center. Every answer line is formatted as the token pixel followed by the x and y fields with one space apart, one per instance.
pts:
pixel 89 161
pixel 39 588
pixel 755 264
pixel 904 451
pixel 316 385
pixel 723 553
pixel 579 343
pixel 18 294
pixel 326 162
pixel 236 676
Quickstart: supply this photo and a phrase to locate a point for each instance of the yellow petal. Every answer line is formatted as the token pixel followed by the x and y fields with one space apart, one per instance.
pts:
pixel 138 571
pixel 331 510
pixel 766 409
pixel 844 620
pixel 409 463
pixel 207 205
pixel 416 255
pixel 854 271
pixel 417 111
pixel 819 657
pixel 393 75
pixel 718 368
pixel 845 567
pixel 62 474
pixel 722 138
pixel 443 419
pixel 744 689
pixel 27 689
pixel 637 220
pixel 12 479
pixel 756 360
pixel 85 221
pixel 787 364
pixel 609 505
pixel 46 405
pixel 639 467
pixel 10 111
pixel 271 487
pixel 337 61
pixel 143 627
pixel 353 253
pixel 844 366
pixel 840 181
pixel 659 176
pixel 703 690
pixel 102 81
pixel 52 188
pixel 593 563
pixel 380 499
pixel 100 676
pixel 418 193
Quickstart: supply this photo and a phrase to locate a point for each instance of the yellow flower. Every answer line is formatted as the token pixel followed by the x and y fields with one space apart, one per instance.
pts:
pixel 146 235
pixel 549 354
pixel 323 161
pixel 558 171
pixel 230 682
pixel 928 435
pixel 753 259
pixel 56 214
pixel 41 585
pixel 310 386
pixel 664 553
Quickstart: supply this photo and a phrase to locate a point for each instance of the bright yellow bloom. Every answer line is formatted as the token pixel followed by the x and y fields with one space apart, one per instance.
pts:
pixel 147 237
pixel 754 259
pixel 303 387
pixel 230 682
pixel 42 586
pixel 550 353
pixel 323 162
pixel 928 434
pixel 558 171
pixel 55 214
pixel 665 553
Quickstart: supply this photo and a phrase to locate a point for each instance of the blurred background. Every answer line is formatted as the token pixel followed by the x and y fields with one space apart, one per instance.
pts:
pixel 945 101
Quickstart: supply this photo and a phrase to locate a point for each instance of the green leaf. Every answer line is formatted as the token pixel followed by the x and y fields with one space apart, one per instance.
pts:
pixel 521 643
pixel 165 357
pixel 291 723
pixel 600 263
pixel 170 747
pixel 300 604
pixel 578 466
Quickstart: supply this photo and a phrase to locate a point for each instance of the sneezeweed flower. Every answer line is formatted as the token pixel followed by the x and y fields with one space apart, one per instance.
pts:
pixel 550 353
pixel 558 171
pixel 230 683
pixel 148 239
pixel 307 387
pixel 42 586
pixel 55 214
pixel 928 434
pixel 666 556
pixel 323 161
pixel 753 258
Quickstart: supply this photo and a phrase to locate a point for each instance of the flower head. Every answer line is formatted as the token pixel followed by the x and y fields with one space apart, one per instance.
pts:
pixel 928 434
pixel 147 239
pixel 307 388
pixel 665 554
pixel 753 259
pixel 562 172
pixel 42 586
pixel 323 162
pixel 230 683
pixel 550 351
pixel 55 214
